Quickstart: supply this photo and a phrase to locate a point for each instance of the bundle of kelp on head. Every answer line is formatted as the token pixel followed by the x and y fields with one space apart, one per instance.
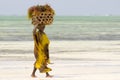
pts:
pixel 41 14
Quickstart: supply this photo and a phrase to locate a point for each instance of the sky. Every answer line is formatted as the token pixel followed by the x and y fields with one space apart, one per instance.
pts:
pixel 63 7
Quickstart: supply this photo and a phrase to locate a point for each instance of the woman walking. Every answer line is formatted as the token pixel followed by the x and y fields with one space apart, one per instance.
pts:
pixel 41 16
pixel 41 50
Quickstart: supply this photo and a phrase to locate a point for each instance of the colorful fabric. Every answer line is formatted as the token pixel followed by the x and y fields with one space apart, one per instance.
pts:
pixel 41 44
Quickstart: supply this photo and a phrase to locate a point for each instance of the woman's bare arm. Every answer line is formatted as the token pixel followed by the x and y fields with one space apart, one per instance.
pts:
pixel 47 51
pixel 35 38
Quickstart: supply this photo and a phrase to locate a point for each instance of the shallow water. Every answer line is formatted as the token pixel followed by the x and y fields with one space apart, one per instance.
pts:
pixel 19 28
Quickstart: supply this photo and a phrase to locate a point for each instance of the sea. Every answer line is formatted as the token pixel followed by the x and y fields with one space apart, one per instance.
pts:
pixel 19 28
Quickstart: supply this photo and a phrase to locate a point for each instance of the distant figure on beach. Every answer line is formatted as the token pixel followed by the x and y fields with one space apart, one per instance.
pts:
pixel 41 50
pixel 41 15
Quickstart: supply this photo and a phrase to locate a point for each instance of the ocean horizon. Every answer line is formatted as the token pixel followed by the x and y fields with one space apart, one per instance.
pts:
pixel 19 28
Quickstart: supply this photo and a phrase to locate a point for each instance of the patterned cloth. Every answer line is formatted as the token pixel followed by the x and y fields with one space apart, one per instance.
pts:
pixel 41 43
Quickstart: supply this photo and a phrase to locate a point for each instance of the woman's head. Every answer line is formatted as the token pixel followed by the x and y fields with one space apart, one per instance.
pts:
pixel 41 27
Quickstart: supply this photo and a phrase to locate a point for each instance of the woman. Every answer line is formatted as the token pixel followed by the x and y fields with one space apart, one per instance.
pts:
pixel 41 51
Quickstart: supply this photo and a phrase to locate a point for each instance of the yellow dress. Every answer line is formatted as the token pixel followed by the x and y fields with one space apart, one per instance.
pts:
pixel 41 43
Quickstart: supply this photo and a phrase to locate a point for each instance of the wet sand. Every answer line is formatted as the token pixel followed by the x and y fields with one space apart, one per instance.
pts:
pixel 73 60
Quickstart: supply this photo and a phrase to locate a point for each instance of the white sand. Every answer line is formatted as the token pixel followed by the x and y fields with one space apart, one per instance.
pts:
pixel 73 60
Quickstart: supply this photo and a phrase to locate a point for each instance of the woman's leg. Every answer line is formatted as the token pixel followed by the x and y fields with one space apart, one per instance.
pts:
pixel 33 73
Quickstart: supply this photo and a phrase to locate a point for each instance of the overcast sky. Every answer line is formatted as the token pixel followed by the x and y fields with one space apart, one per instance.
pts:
pixel 63 7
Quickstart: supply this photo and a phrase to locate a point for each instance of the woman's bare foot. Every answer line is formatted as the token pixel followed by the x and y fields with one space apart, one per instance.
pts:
pixel 33 73
pixel 34 76
pixel 49 76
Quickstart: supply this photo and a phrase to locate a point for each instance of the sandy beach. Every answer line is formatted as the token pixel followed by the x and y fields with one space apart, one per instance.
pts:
pixel 73 60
